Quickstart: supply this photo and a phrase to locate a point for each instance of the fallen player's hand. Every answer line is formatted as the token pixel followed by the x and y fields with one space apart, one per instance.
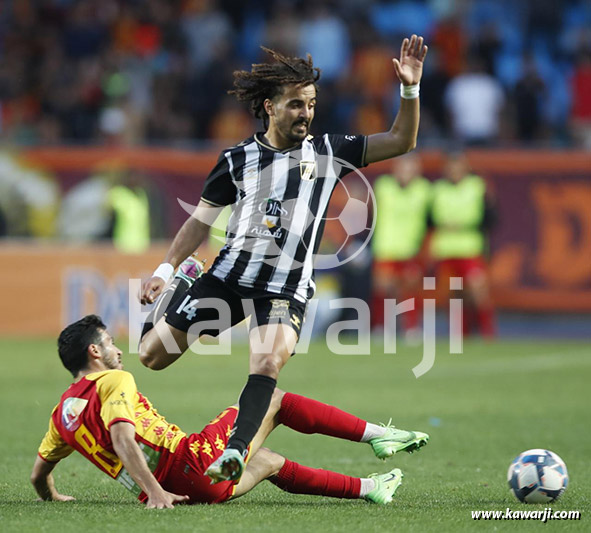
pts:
pixel 151 289
pixel 164 500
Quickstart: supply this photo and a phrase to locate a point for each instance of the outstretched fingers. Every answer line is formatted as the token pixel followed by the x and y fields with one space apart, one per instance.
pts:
pixel 423 53
pixel 419 46
pixel 412 45
pixel 404 47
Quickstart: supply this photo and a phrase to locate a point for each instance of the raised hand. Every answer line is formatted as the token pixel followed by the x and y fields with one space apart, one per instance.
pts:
pixel 409 68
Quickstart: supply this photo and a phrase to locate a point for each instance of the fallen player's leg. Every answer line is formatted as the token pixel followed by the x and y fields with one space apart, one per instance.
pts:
pixel 299 479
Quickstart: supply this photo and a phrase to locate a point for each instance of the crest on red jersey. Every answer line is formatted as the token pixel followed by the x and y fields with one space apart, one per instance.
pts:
pixel 71 410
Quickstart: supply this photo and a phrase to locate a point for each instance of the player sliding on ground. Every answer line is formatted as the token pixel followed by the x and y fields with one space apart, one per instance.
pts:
pixel 104 417
pixel 279 183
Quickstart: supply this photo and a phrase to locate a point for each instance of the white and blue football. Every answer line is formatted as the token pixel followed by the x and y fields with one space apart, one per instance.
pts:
pixel 537 476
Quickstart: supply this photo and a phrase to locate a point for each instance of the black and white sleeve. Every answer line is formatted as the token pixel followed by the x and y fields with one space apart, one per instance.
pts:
pixel 219 189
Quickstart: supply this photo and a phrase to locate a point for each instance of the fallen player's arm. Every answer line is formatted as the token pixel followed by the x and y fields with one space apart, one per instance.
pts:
pixel 126 448
pixel 42 480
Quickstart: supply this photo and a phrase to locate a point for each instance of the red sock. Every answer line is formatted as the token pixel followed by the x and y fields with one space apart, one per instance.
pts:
pixel 299 479
pixel 309 416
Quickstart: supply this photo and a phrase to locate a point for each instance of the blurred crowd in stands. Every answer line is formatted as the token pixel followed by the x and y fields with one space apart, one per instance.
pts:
pixel 157 71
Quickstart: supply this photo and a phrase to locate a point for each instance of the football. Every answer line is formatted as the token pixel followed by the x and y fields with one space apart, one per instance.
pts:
pixel 537 476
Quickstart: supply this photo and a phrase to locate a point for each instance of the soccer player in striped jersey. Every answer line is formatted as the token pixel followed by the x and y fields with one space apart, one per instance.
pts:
pixel 279 183
pixel 105 418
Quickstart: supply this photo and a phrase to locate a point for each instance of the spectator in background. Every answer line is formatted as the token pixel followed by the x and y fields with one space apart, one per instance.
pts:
pixel 325 36
pixel 529 91
pixel 129 203
pixel 451 41
pixel 581 106
pixel 462 212
pixel 231 123
pixel 113 204
pixel 487 45
pixel 29 199
pixel 283 30
pixel 433 85
pixel 84 214
pixel 206 27
pixel 403 201
pixel 57 59
pixel 84 34
pixel 474 101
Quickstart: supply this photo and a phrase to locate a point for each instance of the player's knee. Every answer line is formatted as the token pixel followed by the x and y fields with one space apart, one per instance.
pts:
pixel 150 358
pixel 268 366
pixel 274 461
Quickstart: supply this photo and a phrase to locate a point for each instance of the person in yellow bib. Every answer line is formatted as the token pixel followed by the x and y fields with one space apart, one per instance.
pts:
pixel 462 212
pixel 403 200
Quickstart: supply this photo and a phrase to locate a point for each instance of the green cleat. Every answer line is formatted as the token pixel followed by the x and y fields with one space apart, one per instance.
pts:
pixel 397 440
pixel 190 269
pixel 386 486
pixel 227 467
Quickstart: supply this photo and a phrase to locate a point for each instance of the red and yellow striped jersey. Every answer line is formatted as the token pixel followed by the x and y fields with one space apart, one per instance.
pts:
pixel 83 418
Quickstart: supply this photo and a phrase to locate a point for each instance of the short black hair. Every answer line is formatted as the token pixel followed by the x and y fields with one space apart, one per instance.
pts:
pixel 73 342
pixel 266 80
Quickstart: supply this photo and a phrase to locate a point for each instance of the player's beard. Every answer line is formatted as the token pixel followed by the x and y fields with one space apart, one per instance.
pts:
pixel 112 361
pixel 296 136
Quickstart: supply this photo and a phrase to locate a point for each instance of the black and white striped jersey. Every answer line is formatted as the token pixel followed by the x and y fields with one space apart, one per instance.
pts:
pixel 279 200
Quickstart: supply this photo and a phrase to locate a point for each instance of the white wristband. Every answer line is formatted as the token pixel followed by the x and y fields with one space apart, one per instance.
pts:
pixel 408 92
pixel 164 271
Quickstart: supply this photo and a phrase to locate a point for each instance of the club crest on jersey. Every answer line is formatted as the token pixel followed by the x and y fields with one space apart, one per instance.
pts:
pixel 71 410
pixel 279 309
pixel 307 170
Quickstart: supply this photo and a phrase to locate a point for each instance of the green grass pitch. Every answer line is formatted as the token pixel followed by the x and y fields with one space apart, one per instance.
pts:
pixel 481 409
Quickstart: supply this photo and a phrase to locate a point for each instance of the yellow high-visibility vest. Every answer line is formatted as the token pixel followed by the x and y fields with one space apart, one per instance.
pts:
pixel 458 212
pixel 401 218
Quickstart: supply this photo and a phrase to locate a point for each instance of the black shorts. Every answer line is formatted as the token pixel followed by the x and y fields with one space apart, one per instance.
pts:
pixel 211 299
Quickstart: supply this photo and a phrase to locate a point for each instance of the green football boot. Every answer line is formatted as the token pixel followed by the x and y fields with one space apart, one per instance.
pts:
pixel 397 440
pixel 386 486
pixel 227 467
pixel 190 269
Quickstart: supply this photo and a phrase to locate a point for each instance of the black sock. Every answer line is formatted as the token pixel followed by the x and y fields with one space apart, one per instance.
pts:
pixel 170 297
pixel 254 402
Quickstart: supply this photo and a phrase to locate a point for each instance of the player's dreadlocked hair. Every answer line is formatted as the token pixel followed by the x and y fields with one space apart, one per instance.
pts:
pixel 266 80
pixel 74 341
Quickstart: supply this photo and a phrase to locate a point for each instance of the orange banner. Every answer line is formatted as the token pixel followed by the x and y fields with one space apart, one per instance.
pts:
pixel 540 248
pixel 48 286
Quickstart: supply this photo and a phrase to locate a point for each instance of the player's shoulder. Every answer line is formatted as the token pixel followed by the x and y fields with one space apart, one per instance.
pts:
pixel 333 138
pixel 110 376
pixel 331 142
pixel 237 147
